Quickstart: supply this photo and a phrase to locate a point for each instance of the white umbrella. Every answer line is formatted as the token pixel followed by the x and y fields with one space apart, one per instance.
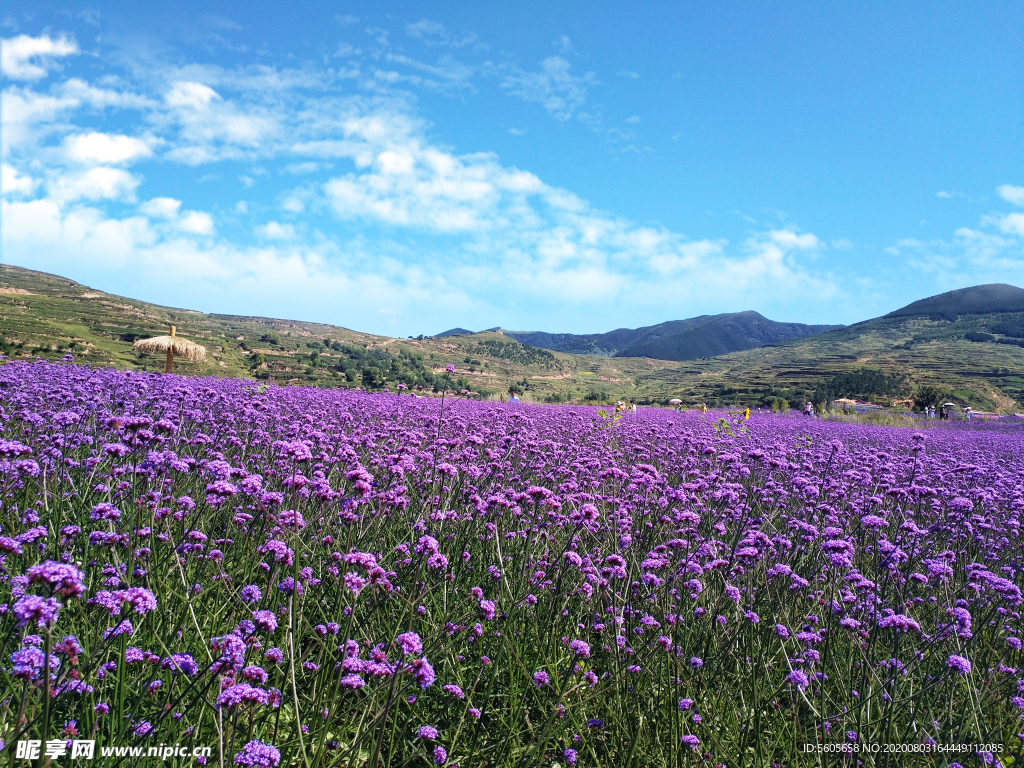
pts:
pixel 675 401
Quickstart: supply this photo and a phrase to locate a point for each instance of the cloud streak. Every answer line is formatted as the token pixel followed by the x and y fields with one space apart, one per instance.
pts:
pixel 553 86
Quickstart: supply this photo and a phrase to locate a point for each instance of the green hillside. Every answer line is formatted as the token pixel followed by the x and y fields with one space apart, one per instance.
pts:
pixel 965 359
pixel 979 300
pixel 976 359
pixel 47 316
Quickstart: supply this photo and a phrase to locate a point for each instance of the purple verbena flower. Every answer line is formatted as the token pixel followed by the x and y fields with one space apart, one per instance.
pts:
pixel 256 754
pixel 959 664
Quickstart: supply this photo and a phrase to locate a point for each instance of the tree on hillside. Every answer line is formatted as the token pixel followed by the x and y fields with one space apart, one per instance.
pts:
pixel 859 383
pixel 372 377
pixel 927 396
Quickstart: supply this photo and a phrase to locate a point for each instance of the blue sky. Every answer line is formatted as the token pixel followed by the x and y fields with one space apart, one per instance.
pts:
pixel 404 168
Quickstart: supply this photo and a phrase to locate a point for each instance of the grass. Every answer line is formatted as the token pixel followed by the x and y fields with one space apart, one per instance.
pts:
pixel 877 418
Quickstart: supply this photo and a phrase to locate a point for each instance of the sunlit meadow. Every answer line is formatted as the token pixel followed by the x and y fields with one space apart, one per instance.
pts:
pixel 301 576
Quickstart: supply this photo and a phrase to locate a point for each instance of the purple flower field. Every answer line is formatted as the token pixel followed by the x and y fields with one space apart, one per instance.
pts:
pixel 299 576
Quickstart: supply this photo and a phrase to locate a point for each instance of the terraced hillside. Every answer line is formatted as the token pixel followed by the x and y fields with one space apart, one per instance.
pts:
pixel 49 316
pixel 45 315
pixel 967 359
pixel 973 358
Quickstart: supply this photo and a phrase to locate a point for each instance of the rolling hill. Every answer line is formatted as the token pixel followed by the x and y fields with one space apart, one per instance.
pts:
pixel 975 358
pixel 979 300
pixel 690 339
pixel 716 335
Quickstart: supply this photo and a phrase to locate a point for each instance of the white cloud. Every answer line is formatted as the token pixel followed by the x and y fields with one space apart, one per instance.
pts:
pixel 105 148
pixel 788 239
pixel 101 183
pixel 447 75
pixel 1011 194
pixel 82 92
pixel 196 223
pixel 288 281
pixel 412 185
pixel 525 238
pixel 395 163
pixel 161 208
pixel 14 183
pixel 686 257
pixel 17 55
pixel 633 119
pixel 628 73
pixel 308 167
pixel 293 204
pixel 23 106
pixel 994 252
pixel 39 234
pixel 213 128
pixel 944 195
pixel 1012 223
pixel 424 28
pixel 27 117
pixel 559 91
pixel 191 96
pixel 434 33
pixel 275 231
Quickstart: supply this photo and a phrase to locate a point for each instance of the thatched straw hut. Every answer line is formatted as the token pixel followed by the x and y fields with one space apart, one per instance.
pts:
pixel 172 345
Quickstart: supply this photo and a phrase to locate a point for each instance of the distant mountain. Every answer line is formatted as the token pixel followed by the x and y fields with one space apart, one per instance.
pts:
pixel 719 335
pixel 978 300
pixel 690 339
pixel 571 343
pixel 453 332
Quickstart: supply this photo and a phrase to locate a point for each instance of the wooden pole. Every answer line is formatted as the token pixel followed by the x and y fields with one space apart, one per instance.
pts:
pixel 170 355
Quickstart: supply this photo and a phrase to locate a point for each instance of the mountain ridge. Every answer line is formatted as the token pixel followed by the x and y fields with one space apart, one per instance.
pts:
pixel 687 339
pixel 974 300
